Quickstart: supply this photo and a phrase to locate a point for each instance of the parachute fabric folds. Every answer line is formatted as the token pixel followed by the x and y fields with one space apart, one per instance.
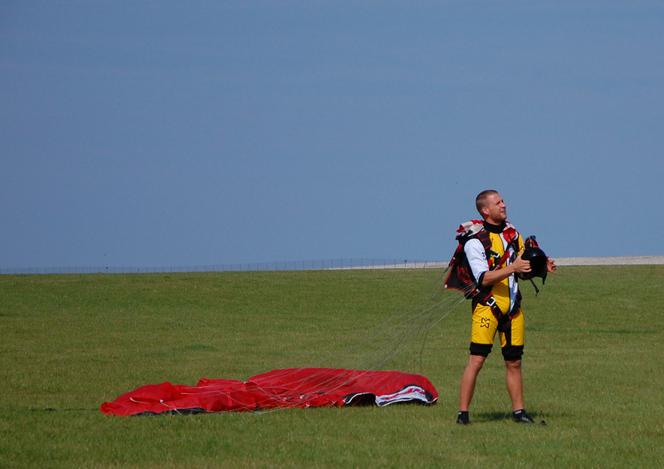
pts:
pixel 287 388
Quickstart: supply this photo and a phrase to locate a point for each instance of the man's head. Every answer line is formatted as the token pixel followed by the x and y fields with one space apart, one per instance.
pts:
pixel 491 206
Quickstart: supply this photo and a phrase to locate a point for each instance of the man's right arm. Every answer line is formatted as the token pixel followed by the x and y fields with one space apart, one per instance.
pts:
pixel 495 276
pixel 480 267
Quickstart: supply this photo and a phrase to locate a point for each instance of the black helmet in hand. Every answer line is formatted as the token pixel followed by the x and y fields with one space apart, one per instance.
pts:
pixel 537 258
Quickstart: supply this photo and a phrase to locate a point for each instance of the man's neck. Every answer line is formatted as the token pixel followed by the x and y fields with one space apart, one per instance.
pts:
pixel 494 227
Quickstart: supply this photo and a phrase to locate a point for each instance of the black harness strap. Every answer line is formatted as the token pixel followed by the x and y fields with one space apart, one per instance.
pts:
pixel 505 320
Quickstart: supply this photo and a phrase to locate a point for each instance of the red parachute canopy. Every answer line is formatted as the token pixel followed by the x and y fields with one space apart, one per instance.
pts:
pixel 288 388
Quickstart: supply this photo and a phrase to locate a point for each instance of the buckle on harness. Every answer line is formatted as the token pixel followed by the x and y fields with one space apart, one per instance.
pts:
pixel 491 302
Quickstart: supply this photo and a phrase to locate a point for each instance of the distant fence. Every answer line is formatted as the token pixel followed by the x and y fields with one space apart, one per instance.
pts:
pixel 325 264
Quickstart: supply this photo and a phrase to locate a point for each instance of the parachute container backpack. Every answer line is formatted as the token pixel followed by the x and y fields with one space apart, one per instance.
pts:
pixel 458 273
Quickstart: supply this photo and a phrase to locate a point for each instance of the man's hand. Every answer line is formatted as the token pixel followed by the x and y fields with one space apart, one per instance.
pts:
pixel 493 276
pixel 520 266
pixel 551 265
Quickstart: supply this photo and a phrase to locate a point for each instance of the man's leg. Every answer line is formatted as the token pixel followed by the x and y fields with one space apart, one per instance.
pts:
pixel 482 333
pixel 515 388
pixel 475 363
pixel 514 382
pixel 512 343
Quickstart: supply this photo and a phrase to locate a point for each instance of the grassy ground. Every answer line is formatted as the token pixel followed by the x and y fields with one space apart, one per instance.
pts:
pixel 592 369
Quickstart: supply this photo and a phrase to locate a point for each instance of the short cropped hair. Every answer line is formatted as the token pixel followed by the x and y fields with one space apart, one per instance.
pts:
pixel 480 200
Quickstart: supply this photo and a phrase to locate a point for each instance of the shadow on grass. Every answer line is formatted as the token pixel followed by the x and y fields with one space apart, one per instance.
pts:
pixel 490 416
pixel 496 416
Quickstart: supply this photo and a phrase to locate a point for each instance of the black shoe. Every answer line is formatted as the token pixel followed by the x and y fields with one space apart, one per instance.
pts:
pixel 521 416
pixel 463 418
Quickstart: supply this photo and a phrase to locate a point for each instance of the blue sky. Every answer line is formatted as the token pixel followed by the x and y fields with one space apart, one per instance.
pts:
pixel 189 133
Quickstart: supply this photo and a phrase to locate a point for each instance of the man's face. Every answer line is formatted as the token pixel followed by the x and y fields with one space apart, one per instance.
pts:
pixel 495 210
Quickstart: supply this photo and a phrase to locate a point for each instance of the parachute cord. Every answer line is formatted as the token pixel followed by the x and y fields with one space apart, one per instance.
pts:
pixel 431 326
pixel 419 329
pixel 401 328
pixel 396 349
pixel 313 394
pixel 415 329
pixel 418 325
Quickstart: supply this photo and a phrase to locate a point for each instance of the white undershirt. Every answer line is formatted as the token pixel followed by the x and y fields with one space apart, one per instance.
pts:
pixel 476 257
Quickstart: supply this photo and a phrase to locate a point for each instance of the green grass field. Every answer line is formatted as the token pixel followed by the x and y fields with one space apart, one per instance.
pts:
pixel 592 369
